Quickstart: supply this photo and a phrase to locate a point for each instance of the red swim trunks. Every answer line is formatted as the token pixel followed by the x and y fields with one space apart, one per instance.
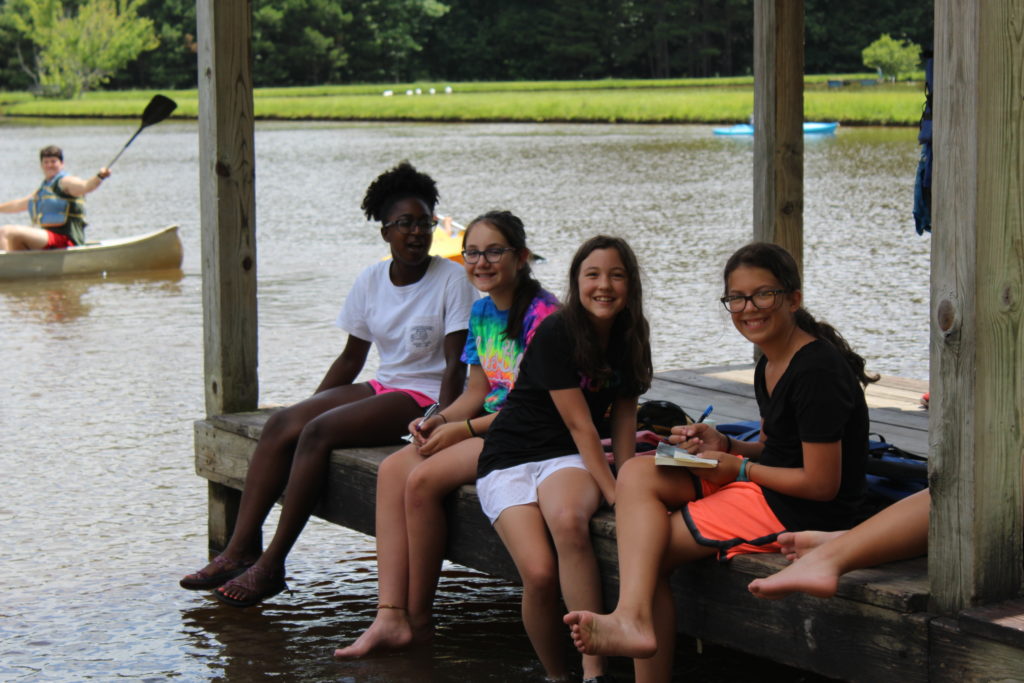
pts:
pixel 57 241
pixel 734 518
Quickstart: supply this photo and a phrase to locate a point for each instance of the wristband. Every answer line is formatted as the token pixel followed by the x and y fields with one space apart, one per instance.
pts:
pixel 443 418
pixel 469 426
pixel 728 444
pixel 742 476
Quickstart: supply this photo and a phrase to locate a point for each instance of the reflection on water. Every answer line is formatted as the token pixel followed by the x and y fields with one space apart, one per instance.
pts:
pixel 102 378
pixel 60 300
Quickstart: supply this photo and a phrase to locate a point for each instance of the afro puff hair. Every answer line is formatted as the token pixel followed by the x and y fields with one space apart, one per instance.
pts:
pixel 401 182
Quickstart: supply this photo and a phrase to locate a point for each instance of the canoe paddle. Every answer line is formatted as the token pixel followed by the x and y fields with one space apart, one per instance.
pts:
pixel 158 109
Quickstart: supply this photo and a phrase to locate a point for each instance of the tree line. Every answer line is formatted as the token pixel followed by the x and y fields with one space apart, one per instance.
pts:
pixel 314 42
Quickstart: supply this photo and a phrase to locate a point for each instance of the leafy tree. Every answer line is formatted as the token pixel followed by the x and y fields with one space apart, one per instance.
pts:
pixel 75 53
pixel 386 38
pixel 299 41
pixel 892 57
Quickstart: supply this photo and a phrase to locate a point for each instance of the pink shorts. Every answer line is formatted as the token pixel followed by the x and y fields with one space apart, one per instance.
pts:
pixel 734 518
pixel 57 241
pixel 422 400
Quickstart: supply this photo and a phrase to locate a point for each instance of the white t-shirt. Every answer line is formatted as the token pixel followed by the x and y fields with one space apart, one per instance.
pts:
pixel 408 324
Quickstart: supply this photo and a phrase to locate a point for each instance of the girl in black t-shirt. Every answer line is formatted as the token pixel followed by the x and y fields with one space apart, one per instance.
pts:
pixel 543 472
pixel 805 471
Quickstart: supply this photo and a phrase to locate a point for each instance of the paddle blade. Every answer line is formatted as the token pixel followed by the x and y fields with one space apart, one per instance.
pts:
pixel 158 109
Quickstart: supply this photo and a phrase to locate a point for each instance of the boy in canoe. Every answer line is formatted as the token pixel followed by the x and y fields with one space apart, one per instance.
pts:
pixel 57 208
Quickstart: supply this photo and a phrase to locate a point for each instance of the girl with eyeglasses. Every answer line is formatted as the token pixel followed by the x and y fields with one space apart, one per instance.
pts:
pixel 413 482
pixel 415 309
pixel 805 472
pixel 543 471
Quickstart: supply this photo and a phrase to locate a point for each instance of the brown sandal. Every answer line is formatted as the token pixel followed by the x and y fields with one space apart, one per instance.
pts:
pixel 247 585
pixel 215 574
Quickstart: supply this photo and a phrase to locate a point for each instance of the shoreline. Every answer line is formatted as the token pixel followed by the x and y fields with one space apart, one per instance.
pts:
pixel 712 102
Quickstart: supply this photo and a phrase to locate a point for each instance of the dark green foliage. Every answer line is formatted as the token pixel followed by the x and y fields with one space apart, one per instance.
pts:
pixel 311 42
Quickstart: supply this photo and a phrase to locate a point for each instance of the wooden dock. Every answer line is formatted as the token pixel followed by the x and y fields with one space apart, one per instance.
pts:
pixel 877 629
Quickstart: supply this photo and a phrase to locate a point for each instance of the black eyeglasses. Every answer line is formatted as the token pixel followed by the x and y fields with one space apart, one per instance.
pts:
pixel 735 303
pixel 493 255
pixel 408 226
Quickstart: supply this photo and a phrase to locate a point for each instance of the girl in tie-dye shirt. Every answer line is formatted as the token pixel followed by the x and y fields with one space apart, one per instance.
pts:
pixel 413 482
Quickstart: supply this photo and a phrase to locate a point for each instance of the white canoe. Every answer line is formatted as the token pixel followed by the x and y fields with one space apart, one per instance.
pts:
pixel 160 250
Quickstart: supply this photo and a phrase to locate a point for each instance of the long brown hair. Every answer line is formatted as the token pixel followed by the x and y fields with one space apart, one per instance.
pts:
pixel 782 265
pixel 630 324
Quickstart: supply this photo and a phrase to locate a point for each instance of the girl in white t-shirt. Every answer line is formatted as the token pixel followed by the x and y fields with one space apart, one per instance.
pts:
pixel 415 309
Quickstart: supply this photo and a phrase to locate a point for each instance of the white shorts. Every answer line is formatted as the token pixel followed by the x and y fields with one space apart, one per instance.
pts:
pixel 518 485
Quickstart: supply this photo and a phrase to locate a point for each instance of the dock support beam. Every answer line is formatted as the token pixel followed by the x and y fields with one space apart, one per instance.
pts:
pixel 778 124
pixel 227 204
pixel 977 305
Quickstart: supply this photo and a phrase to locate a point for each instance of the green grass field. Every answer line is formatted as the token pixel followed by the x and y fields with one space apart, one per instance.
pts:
pixel 717 100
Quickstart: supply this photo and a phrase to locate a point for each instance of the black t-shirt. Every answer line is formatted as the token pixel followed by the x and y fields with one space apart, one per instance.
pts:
pixel 529 428
pixel 817 400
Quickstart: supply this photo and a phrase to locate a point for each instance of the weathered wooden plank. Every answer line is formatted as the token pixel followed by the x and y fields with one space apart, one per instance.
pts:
pixel 957 655
pixel 1002 621
pixel 778 124
pixel 977 320
pixel 835 637
pixel 874 619
pixel 227 204
pixel 222 510
pixel 222 457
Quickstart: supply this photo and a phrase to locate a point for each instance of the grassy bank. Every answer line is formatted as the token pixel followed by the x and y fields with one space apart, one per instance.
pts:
pixel 721 100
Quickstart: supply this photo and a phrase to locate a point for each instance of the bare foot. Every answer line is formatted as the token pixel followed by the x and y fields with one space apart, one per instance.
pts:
pixel 389 631
pixel 796 544
pixel 610 634
pixel 813 575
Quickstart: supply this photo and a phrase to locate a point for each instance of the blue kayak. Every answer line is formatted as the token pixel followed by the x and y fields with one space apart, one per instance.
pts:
pixel 810 128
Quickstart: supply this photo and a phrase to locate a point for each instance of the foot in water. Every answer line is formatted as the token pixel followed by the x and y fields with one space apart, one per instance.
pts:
pixel 611 634
pixel 390 631
pixel 814 574
pixel 796 544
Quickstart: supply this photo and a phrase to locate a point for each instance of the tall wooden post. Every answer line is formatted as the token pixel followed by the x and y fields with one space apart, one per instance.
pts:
pixel 227 204
pixel 778 124
pixel 977 304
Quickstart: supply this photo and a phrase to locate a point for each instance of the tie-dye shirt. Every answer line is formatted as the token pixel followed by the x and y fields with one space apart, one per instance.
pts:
pixel 487 347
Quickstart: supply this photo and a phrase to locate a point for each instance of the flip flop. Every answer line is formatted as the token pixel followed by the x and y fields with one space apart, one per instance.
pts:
pixel 208 580
pixel 251 595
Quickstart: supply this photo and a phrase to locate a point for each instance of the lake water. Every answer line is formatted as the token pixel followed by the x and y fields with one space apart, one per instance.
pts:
pixel 102 377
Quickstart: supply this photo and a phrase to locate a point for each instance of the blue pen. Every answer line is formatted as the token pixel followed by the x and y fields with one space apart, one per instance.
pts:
pixel 704 415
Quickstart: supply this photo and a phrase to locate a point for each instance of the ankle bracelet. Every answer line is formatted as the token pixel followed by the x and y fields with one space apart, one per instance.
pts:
pixel 385 605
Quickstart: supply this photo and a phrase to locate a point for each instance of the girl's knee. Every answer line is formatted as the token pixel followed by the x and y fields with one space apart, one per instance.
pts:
pixel 399 464
pixel 570 528
pixel 422 488
pixel 540 578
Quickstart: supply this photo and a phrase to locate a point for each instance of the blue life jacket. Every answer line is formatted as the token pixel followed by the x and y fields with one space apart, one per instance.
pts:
pixel 51 207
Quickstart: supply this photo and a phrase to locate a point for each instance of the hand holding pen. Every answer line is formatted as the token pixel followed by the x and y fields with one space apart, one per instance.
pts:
pixel 688 437
pixel 430 412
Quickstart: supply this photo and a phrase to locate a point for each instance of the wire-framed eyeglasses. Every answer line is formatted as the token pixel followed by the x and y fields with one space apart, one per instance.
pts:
pixel 408 226
pixel 735 303
pixel 493 255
